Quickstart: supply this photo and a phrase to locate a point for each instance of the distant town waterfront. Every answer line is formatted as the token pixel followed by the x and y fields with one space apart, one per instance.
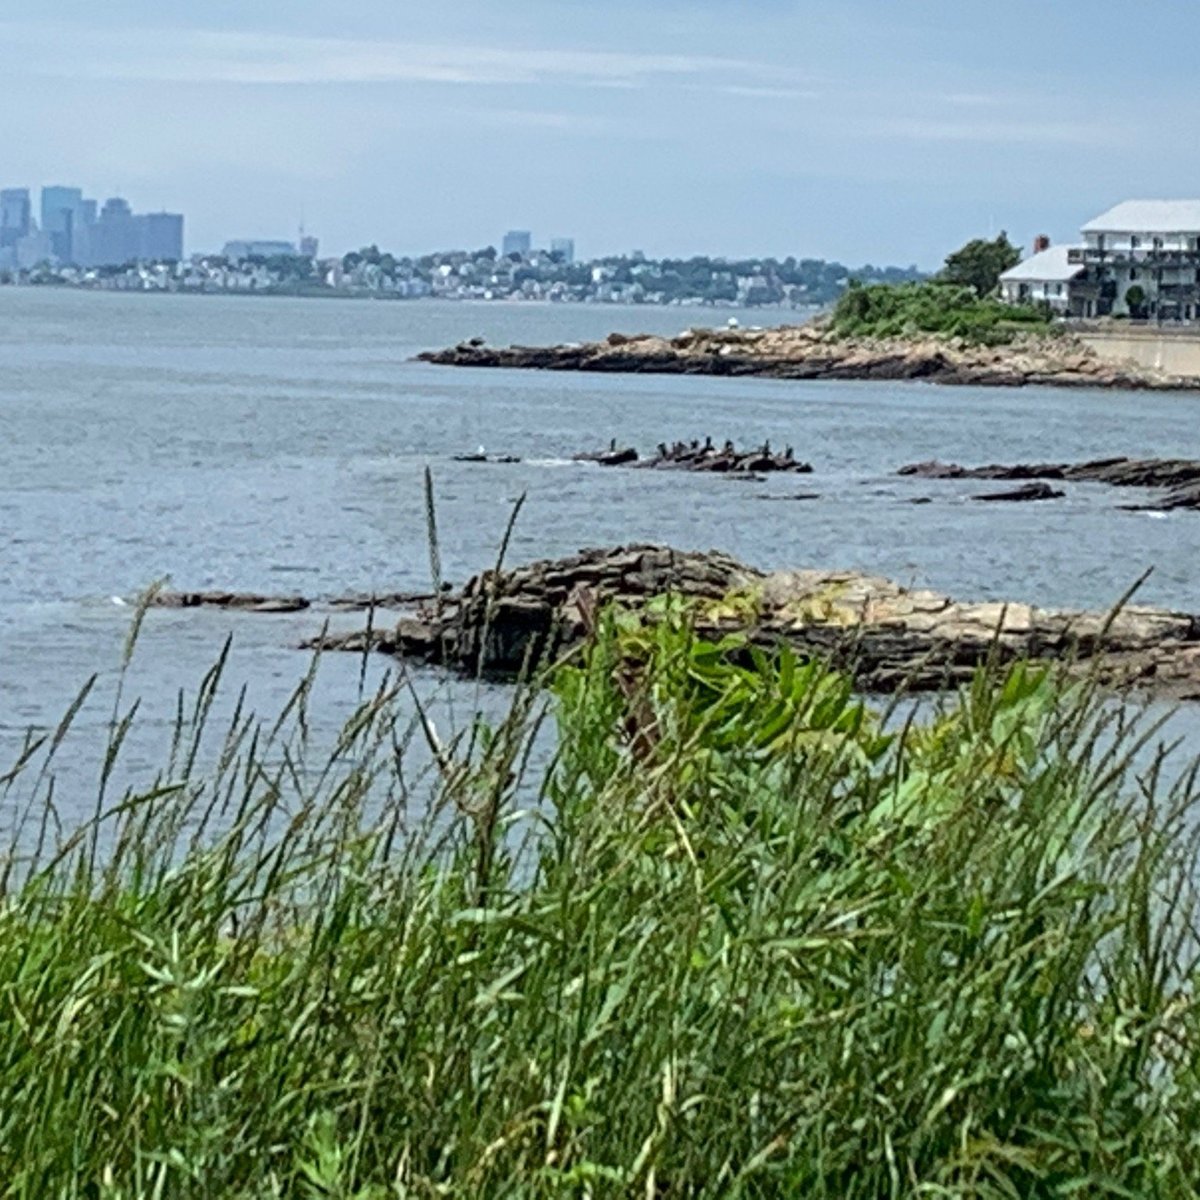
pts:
pixel 281 270
pixel 75 242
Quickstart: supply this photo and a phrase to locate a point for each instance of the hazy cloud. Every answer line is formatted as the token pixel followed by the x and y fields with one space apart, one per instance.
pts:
pixel 1027 132
pixel 207 56
pixel 858 130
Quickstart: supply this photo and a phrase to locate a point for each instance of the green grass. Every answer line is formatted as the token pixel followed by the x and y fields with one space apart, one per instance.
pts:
pixel 742 935
pixel 934 308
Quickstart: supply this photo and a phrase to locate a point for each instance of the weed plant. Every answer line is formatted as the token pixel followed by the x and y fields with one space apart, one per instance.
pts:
pixel 743 935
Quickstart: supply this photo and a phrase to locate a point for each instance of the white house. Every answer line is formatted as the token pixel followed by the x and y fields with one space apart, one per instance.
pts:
pixel 1147 245
pixel 1046 276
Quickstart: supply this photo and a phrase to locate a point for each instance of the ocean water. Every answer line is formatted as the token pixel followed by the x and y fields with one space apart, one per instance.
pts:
pixel 279 445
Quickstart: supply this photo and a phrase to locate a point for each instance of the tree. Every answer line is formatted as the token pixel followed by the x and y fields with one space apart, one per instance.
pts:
pixel 980 263
pixel 1135 300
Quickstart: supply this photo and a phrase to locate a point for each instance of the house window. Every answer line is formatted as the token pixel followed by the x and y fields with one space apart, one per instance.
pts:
pixel 1132 274
pixel 1058 289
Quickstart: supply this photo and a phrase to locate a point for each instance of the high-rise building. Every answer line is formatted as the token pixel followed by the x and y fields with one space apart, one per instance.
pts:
pixel 160 236
pixel 564 248
pixel 517 241
pixel 16 215
pixel 116 237
pixel 62 213
pixel 309 246
pixel 34 249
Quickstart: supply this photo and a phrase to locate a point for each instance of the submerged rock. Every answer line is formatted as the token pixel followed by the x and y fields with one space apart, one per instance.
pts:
pixel 481 457
pixel 1027 491
pixel 243 601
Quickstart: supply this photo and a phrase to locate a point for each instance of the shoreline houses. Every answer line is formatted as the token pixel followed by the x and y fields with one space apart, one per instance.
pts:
pixel 1140 259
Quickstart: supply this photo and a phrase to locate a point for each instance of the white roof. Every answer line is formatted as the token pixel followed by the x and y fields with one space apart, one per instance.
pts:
pixel 1148 216
pixel 1049 266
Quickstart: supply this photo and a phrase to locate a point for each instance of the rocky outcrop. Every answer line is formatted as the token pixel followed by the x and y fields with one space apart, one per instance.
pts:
pixel 256 602
pixel 1184 497
pixel 726 459
pixel 888 636
pixel 813 351
pixel 1027 491
pixel 1119 472
pixel 1180 475
pixel 242 601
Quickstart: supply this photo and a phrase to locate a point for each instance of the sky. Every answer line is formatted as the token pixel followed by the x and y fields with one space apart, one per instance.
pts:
pixel 883 131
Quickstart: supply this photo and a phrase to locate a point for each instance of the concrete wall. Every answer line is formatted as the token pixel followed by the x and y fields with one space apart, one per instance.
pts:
pixel 1170 351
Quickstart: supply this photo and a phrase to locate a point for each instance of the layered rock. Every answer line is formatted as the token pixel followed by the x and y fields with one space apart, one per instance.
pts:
pixel 1180 475
pixel 1119 472
pixel 888 636
pixel 813 352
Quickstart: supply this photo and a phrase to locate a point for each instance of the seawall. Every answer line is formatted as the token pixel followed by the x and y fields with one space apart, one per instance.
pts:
pixel 1171 352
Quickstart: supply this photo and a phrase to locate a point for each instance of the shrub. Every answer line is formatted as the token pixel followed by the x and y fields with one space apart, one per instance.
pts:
pixel 942 309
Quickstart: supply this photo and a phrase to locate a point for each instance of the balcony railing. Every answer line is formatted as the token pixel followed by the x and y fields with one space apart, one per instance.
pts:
pixel 1142 256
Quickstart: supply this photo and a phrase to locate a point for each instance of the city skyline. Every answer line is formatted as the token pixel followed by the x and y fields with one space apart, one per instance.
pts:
pixel 69 228
pixel 862 131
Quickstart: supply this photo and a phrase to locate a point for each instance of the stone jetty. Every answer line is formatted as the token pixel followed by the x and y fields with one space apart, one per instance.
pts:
pixel 502 624
pixel 814 351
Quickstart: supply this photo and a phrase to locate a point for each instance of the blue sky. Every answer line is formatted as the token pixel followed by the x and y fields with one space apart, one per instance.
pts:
pixel 865 130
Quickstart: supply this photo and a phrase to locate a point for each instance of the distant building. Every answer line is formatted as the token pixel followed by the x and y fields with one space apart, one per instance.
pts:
pixel 309 247
pixel 517 241
pixel 116 237
pixel 244 248
pixel 564 248
pixel 1046 276
pixel 64 216
pixel 16 215
pixel 33 250
pixel 1140 259
pixel 160 236
pixel 1153 245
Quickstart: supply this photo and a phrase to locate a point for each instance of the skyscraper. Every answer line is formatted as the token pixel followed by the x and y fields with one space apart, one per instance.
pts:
pixel 564 248
pixel 62 212
pixel 517 241
pixel 115 239
pixel 16 215
pixel 160 236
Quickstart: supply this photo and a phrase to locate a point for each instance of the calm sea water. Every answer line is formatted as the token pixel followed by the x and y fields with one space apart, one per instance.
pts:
pixel 279 445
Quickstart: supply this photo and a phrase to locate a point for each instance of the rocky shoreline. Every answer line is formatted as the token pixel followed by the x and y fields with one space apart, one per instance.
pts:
pixel 504 624
pixel 1180 477
pixel 814 352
